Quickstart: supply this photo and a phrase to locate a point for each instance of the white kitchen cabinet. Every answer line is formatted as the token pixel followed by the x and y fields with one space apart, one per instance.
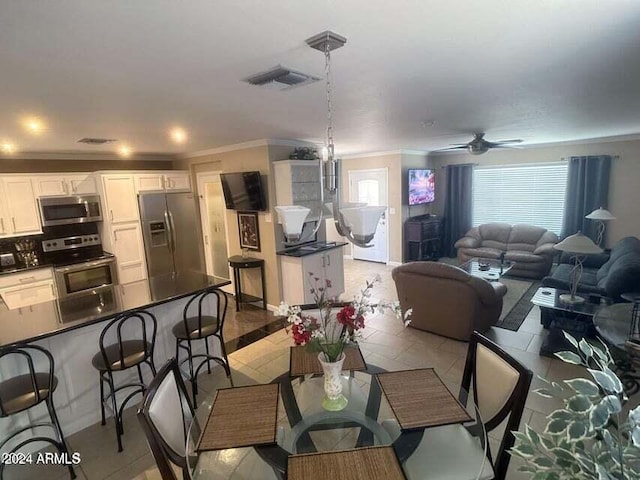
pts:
pixel 82 184
pixel 120 201
pixel 178 181
pixel 20 290
pixel 297 280
pixel 65 184
pixel 19 213
pixel 128 247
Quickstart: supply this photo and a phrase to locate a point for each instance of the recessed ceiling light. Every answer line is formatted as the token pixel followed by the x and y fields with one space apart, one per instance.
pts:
pixel 124 151
pixel 178 135
pixel 7 147
pixel 34 125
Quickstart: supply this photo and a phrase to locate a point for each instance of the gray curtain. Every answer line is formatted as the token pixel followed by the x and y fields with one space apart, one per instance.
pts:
pixel 587 189
pixel 457 206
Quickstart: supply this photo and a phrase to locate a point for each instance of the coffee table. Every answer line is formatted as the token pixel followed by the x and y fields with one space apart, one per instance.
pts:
pixel 556 316
pixel 490 270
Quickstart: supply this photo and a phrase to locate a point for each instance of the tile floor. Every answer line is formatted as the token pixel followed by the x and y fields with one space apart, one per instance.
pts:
pixel 386 343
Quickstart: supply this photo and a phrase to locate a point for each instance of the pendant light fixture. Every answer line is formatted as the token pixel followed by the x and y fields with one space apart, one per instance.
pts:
pixel 356 222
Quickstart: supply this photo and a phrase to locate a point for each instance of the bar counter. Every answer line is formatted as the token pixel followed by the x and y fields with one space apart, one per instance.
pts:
pixel 46 319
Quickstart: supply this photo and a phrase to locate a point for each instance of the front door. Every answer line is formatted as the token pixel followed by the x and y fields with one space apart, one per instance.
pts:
pixel 370 186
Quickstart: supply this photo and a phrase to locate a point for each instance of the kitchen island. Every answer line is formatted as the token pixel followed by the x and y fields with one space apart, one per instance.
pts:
pixel 72 338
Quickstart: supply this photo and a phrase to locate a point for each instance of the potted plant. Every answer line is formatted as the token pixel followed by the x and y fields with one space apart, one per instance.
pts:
pixel 590 437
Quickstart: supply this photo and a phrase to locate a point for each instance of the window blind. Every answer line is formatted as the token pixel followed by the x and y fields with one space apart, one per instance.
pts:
pixel 532 194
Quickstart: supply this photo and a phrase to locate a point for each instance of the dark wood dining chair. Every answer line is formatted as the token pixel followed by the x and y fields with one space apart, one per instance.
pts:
pixel 133 345
pixel 165 416
pixel 499 385
pixel 23 392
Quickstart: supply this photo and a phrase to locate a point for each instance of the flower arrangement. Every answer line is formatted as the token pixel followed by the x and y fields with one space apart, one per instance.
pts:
pixel 589 438
pixel 328 332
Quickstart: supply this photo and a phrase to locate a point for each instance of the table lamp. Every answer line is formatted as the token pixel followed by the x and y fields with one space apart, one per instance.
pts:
pixel 577 244
pixel 601 215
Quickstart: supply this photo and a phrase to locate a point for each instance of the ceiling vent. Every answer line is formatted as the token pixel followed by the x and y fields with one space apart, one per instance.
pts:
pixel 280 78
pixel 96 141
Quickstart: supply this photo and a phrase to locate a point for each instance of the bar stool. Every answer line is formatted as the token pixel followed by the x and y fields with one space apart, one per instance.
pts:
pixel 201 327
pixel 140 327
pixel 25 391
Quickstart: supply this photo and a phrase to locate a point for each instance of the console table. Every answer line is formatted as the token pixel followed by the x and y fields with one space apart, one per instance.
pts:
pixel 423 236
pixel 237 263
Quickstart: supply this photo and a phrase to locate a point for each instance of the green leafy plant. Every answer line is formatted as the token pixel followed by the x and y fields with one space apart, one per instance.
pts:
pixel 589 438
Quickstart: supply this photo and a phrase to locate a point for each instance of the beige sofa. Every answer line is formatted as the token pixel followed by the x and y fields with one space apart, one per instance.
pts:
pixel 529 247
pixel 447 300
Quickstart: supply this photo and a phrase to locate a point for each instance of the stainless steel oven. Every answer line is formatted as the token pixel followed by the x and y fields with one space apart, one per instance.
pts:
pixel 69 210
pixel 85 278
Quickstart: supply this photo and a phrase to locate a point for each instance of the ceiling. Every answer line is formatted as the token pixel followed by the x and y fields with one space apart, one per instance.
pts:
pixel 544 71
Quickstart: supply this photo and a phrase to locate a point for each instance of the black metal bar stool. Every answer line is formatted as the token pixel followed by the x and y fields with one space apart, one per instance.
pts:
pixel 25 391
pixel 123 355
pixel 201 327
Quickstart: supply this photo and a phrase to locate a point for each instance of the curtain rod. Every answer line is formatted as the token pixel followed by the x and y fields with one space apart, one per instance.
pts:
pixel 459 165
pixel 613 157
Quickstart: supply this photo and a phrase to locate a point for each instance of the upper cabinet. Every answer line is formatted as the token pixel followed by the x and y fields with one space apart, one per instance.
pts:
pixel 65 184
pixel 120 202
pixel 18 207
pixel 298 183
pixel 171 181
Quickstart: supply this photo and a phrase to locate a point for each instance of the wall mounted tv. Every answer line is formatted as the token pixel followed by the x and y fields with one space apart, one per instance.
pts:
pixel 422 186
pixel 243 191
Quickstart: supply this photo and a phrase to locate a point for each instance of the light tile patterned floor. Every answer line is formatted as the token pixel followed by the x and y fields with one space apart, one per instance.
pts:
pixel 386 343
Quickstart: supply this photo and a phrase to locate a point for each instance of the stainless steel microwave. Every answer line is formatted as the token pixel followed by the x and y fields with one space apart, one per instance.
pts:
pixel 69 210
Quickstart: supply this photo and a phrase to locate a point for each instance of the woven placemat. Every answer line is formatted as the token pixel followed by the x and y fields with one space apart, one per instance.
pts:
pixel 303 362
pixel 369 463
pixel 241 417
pixel 419 399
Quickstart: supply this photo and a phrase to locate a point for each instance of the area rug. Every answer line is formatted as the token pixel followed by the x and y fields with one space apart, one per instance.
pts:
pixel 517 302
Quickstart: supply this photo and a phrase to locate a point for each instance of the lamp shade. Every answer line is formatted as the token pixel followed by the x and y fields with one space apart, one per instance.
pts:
pixel 292 218
pixel 362 221
pixel 578 243
pixel 600 214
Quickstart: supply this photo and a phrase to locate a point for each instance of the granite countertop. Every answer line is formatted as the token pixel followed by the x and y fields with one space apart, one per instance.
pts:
pixel 18 268
pixel 47 319
pixel 310 249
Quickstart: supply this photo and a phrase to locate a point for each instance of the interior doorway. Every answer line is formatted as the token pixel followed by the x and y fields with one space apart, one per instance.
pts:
pixel 214 224
pixel 370 186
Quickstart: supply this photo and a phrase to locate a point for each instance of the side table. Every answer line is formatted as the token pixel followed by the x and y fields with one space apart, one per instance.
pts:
pixel 238 263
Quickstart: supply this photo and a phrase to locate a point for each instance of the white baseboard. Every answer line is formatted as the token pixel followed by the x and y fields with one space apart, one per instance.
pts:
pixel 394 264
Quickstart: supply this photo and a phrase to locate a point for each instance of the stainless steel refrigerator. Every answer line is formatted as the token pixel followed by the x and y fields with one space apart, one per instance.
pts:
pixel 171 231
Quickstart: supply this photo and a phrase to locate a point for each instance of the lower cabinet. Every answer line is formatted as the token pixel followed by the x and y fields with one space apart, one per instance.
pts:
pixel 25 289
pixel 299 274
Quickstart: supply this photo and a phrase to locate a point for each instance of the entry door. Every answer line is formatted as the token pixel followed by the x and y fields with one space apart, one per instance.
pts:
pixel 370 186
pixel 212 212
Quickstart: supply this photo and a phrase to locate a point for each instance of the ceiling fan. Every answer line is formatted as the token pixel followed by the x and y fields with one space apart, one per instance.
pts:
pixel 479 145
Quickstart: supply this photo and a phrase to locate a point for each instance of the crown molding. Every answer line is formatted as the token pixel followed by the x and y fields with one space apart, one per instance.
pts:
pixel 401 151
pixel 264 142
pixel 88 156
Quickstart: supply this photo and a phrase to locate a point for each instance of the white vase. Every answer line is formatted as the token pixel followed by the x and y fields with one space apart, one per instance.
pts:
pixel 333 398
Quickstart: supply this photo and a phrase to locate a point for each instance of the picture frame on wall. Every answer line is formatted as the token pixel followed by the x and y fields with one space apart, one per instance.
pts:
pixel 249 231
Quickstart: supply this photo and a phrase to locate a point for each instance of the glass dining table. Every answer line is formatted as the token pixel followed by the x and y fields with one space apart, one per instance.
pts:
pixel 304 427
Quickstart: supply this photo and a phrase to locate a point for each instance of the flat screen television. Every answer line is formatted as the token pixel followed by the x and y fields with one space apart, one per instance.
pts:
pixel 422 186
pixel 243 191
